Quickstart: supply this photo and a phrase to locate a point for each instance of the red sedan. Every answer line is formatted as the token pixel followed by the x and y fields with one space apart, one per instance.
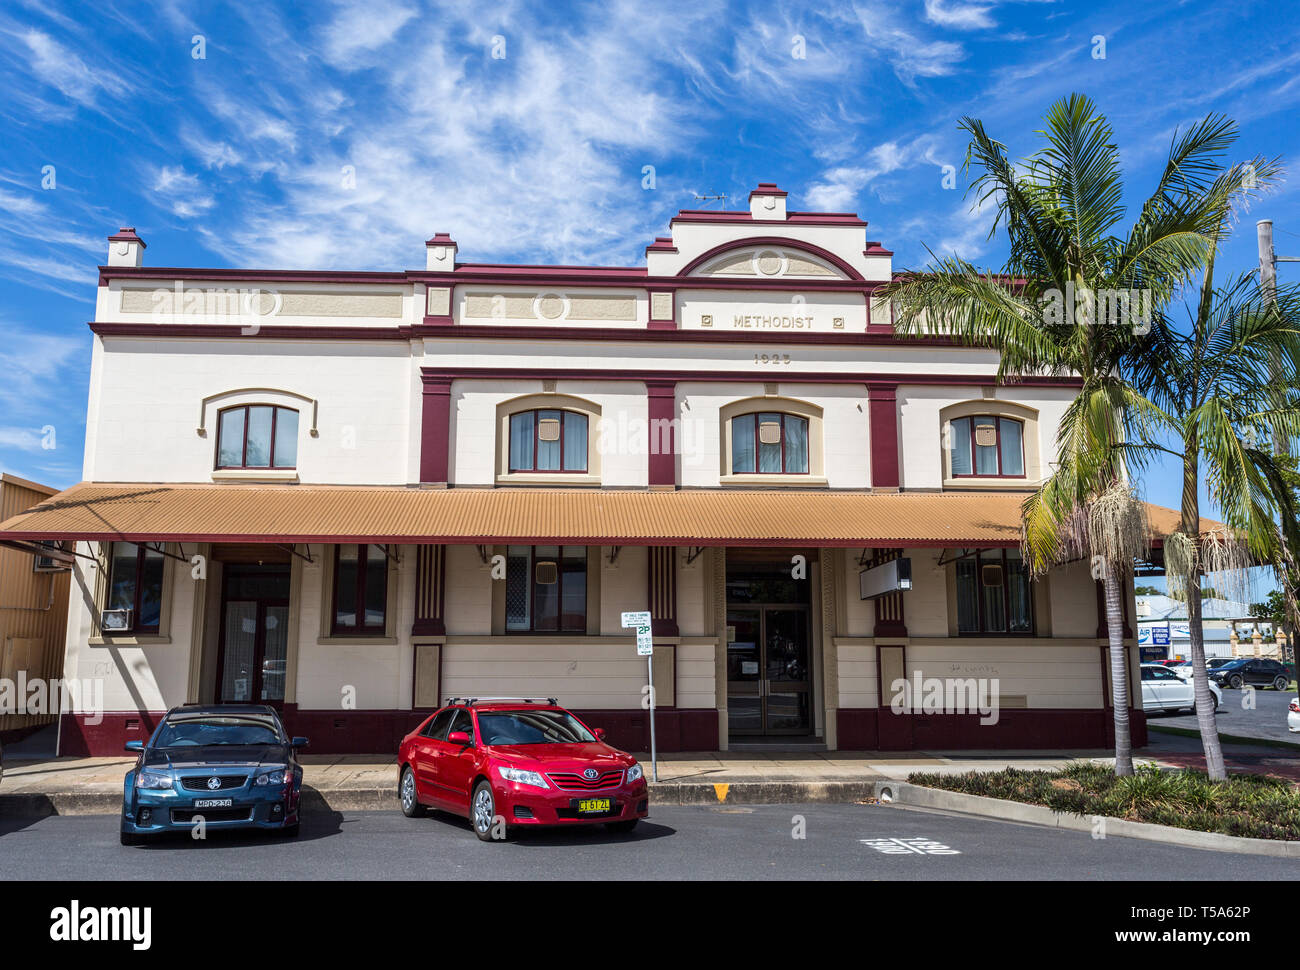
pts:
pixel 511 763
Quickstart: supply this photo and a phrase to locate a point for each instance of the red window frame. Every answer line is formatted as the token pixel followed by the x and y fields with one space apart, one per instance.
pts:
pixel 243 454
pixel 988 557
pixel 586 462
pixel 559 593
pixel 807 458
pixel 360 630
pixel 997 420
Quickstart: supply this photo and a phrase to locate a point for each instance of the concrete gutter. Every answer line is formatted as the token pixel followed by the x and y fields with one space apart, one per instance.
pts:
pixel 919 796
pixel 356 799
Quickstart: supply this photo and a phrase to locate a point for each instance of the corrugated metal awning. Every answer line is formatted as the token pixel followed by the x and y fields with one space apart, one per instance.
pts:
pixel 708 517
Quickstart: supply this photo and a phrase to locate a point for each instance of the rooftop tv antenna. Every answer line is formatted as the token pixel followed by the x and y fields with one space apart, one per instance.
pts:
pixel 704 200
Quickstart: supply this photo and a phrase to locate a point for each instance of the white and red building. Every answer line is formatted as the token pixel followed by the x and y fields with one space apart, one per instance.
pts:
pixel 353 494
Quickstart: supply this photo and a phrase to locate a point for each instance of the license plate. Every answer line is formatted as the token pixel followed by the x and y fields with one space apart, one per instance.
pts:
pixel 592 805
pixel 213 802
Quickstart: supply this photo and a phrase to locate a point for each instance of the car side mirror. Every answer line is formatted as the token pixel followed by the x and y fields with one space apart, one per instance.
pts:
pixel 135 746
pixel 458 737
pixel 600 734
pixel 298 743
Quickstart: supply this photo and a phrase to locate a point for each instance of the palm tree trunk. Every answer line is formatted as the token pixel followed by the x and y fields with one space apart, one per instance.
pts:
pixel 1113 585
pixel 1205 713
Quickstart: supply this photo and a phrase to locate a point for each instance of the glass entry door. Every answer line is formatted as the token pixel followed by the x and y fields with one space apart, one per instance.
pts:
pixel 769 687
pixel 254 645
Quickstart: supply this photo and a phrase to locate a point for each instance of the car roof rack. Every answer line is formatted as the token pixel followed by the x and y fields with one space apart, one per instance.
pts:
pixel 470 701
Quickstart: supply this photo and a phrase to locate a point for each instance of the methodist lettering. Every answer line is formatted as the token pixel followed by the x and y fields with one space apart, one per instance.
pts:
pixel 772 322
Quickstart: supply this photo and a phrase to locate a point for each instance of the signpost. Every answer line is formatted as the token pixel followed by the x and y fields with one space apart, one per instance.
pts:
pixel 645 647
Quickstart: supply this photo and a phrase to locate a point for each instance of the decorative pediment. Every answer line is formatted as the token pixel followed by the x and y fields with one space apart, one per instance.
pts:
pixel 771 259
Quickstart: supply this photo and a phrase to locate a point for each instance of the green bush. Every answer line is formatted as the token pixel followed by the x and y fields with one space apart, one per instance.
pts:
pixel 1258 806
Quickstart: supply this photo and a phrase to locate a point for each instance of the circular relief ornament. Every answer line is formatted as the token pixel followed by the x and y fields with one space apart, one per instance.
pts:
pixel 551 306
pixel 769 262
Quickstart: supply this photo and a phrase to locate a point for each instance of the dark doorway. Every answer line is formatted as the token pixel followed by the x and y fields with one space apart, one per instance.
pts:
pixel 769 675
pixel 253 648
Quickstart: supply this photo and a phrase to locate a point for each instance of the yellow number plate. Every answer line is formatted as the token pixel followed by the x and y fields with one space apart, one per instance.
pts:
pixel 593 805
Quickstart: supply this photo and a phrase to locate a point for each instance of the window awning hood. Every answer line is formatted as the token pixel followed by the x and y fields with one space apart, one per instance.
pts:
pixel 393 514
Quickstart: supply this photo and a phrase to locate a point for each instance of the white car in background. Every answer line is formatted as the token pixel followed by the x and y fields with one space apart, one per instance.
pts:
pixel 1164 690
pixel 1293 715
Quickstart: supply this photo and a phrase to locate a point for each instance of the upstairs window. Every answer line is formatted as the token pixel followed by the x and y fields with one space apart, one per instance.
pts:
pixel 546 589
pixel 986 446
pixel 548 441
pixel 258 436
pixel 769 443
pixel 994 594
pixel 135 587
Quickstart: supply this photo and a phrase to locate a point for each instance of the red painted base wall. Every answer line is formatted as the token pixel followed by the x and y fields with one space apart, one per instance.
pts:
pixel 877 729
pixel 869 729
pixel 380 732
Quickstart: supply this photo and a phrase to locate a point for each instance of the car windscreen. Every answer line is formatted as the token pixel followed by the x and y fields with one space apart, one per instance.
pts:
pixel 224 729
pixel 531 727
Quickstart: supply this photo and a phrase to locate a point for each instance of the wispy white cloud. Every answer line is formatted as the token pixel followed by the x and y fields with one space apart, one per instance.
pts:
pixel 954 13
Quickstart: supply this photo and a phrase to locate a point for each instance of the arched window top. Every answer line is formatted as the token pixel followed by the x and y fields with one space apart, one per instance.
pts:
pixel 257 436
pixel 547 434
pixel 990 440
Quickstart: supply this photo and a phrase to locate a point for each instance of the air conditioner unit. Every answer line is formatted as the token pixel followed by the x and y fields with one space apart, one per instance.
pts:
pixel 991 574
pixel 546 573
pixel 115 620
pixel 548 429
pixel 58 561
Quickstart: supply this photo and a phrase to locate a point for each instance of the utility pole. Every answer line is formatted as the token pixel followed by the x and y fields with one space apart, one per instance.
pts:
pixel 1268 260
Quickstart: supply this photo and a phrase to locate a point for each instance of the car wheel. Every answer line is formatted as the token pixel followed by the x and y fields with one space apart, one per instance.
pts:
pixel 627 825
pixel 411 806
pixel 128 838
pixel 1234 682
pixel 483 812
pixel 1280 683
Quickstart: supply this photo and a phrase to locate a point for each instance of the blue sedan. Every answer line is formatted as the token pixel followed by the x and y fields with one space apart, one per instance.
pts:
pixel 222 766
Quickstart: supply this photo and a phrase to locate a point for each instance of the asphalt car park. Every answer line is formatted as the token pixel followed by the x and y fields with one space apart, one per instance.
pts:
pixel 810 841
pixel 1242 713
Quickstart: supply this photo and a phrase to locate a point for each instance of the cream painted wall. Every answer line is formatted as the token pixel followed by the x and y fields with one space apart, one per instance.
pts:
pixel 920 427
pixel 149 393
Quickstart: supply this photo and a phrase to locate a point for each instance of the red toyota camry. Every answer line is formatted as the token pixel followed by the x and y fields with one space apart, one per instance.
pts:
pixel 505 763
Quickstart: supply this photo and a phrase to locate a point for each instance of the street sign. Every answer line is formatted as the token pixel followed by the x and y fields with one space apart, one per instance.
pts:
pixel 645 647
pixel 645 643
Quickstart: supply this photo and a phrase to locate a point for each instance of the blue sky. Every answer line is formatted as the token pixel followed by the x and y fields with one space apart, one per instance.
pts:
pixel 236 158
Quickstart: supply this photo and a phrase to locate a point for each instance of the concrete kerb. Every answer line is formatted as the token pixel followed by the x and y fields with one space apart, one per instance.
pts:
pixel 385 798
pixel 902 793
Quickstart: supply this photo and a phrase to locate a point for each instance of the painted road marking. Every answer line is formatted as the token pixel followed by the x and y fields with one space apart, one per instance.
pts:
pixel 917 846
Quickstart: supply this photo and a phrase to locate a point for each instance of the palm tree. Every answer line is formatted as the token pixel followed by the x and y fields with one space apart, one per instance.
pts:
pixel 1225 391
pixel 1061 210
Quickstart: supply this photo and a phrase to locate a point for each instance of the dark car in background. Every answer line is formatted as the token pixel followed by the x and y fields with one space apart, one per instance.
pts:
pixel 1251 672
pixel 226 766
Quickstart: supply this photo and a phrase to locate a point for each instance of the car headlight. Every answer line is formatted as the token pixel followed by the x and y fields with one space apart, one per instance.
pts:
pixel 635 773
pixel 521 777
pixel 152 780
pixel 277 777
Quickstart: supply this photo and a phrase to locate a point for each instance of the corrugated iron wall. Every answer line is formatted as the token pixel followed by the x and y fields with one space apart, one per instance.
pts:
pixel 33 612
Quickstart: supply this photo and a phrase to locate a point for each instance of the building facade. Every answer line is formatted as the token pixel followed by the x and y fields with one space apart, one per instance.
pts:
pixel 33 622
pixel 352 494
